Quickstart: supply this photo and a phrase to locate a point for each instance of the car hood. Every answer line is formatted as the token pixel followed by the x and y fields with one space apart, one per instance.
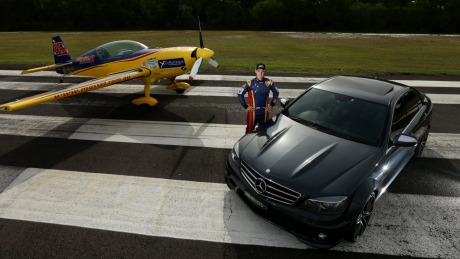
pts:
pixel 307 160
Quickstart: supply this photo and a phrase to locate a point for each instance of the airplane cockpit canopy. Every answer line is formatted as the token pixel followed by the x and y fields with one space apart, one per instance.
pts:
pixel 118 48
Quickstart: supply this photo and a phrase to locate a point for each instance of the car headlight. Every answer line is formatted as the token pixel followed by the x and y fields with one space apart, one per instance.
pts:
pixel 235 153
pixel 326 205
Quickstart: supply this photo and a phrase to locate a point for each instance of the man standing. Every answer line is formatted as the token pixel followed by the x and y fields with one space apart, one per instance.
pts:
pixel 258 107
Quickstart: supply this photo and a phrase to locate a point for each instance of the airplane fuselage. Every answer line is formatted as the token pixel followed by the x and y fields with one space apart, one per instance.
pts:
pixel 162 62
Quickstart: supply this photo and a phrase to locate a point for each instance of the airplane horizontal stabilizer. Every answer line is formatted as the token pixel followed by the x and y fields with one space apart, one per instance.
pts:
pixel 45 68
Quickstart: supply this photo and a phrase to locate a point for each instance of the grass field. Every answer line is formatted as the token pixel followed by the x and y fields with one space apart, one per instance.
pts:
pixel 289 52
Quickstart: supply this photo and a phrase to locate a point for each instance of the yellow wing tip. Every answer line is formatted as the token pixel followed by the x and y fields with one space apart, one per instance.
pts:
pixel 5 108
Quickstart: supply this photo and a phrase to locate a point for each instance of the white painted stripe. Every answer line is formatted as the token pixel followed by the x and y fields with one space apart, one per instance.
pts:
pixel 429 83
pixel 442 145
pixel 419 226
pixel 445 98
pixel 439 145
pixel 242 78
pixel 192 91
pixel 239 78
pixel 281 79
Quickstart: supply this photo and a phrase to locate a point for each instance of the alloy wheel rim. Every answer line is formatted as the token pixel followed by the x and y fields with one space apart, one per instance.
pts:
pixel 364 217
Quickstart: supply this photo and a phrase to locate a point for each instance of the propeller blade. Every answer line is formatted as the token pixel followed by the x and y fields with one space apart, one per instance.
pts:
pixel 213 63
pixel 195 68
pixel 201 37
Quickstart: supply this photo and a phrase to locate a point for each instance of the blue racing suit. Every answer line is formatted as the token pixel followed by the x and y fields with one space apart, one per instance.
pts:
pixel 258 93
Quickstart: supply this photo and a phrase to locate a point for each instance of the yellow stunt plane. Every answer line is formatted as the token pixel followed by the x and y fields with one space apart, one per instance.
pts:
pixel 117 62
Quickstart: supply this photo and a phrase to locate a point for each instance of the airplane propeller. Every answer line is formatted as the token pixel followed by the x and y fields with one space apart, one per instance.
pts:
pixel 202 52
pixel 195 68
pixel 213 63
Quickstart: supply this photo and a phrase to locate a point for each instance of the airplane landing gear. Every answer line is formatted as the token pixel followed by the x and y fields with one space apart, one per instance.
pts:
pixel 179 87
pixel 146 99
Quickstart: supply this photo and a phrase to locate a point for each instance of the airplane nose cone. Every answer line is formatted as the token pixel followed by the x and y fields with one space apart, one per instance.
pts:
pixel 204 53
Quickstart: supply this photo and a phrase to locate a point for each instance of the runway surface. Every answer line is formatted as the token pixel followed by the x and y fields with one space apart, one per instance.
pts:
pixel 94 176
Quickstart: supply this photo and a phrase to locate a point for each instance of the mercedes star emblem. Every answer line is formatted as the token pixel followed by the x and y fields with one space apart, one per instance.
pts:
pixel 260 185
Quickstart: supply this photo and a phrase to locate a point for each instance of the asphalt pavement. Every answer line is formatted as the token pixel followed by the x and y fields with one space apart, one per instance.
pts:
pixel 93 176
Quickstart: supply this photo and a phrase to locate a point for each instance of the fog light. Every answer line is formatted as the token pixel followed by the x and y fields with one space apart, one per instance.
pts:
pixel 322 236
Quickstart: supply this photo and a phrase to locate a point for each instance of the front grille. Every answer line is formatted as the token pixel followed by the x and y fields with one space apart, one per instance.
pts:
pixel 272 190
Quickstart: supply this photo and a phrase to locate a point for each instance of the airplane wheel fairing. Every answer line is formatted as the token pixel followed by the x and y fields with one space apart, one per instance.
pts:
pixel 178 86
pixel 145 100
pixel 359 225
pixel 182 85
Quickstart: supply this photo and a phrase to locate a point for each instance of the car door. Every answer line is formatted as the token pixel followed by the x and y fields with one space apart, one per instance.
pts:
pixel 406 116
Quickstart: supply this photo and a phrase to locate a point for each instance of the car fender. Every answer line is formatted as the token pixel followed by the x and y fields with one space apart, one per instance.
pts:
pixel 360 197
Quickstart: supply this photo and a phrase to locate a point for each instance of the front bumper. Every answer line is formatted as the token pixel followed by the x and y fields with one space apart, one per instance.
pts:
pixel 318 231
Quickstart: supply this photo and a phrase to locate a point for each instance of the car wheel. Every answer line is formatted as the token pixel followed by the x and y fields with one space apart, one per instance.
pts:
pixel 361 222
pixel 421 145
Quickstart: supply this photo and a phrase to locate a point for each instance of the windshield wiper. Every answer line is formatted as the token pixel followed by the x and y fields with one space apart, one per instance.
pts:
pixel 305 122
pixel 324 129
pixel 315 125
pixel 298 119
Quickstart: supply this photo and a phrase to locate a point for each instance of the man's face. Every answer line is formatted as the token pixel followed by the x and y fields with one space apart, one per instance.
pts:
pixel 260 73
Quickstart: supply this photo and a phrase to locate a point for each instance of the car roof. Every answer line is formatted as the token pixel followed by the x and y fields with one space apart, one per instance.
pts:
pixel 365 88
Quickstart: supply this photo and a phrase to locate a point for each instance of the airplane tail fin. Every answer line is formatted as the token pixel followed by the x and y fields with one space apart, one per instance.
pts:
pixel 61 58
pixel 61 54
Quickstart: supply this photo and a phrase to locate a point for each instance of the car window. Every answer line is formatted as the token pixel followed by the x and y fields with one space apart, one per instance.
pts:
pixel 405 109
pixel 340 115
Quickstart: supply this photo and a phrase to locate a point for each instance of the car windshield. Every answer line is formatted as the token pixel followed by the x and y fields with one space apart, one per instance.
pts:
pixel 340 115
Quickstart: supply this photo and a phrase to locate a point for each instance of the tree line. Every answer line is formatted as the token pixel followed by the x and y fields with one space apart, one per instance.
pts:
pixel 391 16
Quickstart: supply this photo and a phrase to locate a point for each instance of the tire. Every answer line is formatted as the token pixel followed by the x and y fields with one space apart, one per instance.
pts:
pixel 359 225
pixel 180 90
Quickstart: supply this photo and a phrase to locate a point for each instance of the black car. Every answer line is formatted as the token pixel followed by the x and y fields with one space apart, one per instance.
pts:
pixel 316 168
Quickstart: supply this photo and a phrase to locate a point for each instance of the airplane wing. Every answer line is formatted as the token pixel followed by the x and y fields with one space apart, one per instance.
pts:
pixel 75 89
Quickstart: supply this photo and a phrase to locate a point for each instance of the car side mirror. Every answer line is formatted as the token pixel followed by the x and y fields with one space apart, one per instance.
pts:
pixel 284 102
pixel 404 140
